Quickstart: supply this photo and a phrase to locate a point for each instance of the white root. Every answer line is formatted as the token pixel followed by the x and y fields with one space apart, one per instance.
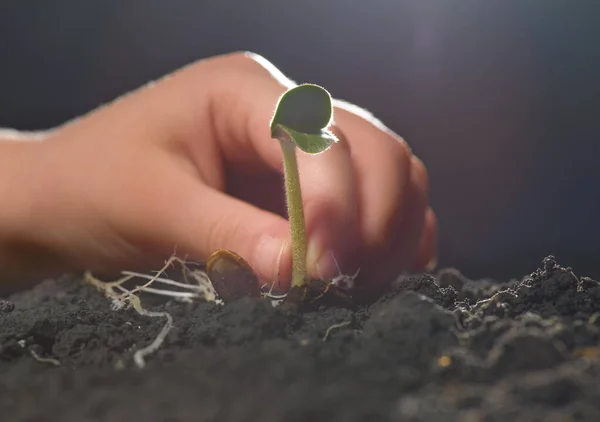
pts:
pixel 269 294
pixel 333 327
pixel 196 282
pixel 37 357
pixel 344 281
pixel 139 355
pixel 341 281
pixel 40 359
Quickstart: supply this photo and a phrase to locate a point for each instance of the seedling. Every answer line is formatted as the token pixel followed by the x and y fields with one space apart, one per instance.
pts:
pixel 301 119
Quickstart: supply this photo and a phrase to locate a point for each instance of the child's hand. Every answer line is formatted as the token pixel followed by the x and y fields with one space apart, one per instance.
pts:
pixel 187 165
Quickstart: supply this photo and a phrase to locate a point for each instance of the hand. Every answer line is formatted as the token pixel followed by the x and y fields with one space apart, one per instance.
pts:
pixel 187 165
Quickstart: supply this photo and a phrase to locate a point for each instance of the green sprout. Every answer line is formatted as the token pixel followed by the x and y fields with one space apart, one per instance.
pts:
pixel 301 119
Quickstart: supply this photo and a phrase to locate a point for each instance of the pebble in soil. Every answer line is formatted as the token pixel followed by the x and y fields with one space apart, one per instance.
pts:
pixel 433 348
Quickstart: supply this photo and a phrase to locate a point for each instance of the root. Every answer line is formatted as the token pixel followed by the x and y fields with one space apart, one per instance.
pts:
pixel 139 355
pixel 275 299
pixel 37 357
pixel 341 281
pixel 196 285
pixel 344 281
pixel 333 327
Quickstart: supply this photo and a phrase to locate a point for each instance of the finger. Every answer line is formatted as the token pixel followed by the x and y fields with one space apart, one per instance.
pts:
pixel 382 166
pixel 241 97
pixel 209 220
pixel 330 206
pixel 426 259
pixel 405 240
pixel 408 238
pixel 243 103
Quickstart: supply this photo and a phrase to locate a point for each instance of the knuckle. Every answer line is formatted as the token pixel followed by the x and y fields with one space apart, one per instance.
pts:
pixel 420 175
pixel 398 206
pixel 250 62
pixel 343 142
pixel 244 60
pixel 400 153
pixel 234 63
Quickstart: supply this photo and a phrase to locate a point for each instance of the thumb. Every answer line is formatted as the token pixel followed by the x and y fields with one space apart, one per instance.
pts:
pixel 214 220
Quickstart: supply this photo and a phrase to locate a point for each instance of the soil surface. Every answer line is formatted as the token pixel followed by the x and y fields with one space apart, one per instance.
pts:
pixel 436 348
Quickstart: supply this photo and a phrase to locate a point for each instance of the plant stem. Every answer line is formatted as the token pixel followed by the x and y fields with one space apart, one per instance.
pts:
pixel 295 212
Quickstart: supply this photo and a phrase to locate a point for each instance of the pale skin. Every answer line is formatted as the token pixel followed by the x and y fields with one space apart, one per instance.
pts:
pixel 186 165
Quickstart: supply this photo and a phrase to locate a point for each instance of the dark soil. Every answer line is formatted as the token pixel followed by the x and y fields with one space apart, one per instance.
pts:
pixel 434 349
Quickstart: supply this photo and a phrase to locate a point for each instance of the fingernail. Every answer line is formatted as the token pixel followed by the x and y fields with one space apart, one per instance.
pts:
pixel 321 262
pixel 327 266
pixel 267 258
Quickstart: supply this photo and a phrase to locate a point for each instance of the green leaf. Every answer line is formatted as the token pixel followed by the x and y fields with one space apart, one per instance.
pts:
pixel 302 116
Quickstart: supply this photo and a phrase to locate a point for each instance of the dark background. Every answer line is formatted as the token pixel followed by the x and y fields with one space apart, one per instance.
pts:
pixel 499 98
